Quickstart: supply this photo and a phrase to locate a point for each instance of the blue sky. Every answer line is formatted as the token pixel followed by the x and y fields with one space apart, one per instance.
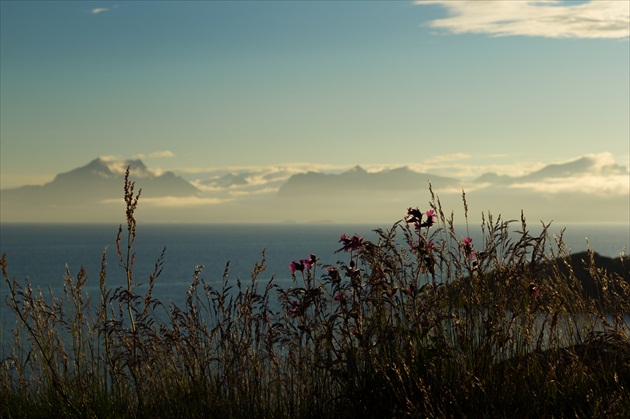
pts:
pixel 199 86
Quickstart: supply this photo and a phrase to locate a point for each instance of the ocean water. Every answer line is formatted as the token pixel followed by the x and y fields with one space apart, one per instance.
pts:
pixel 41 252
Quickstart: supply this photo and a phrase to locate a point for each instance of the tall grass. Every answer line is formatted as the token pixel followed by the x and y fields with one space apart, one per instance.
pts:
pixel 418 323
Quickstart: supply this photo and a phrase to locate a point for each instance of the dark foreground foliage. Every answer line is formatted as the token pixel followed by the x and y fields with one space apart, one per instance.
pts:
pixel 419 323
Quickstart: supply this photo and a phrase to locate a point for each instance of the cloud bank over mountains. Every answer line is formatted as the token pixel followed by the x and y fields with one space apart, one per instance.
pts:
pixel 595 173
pixel 589 188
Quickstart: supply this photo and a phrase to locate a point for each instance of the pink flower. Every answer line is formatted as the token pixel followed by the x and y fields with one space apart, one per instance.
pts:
pixel 468 247
pixel 422 245
pixel 353 243
pixel 303 264
pixel 414 215
pixel 310 262
pixel 296 266
pixel 340 296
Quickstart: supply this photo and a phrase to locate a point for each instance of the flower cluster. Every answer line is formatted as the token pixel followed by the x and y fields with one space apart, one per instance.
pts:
pixel 414 215
pixel 422 246
pixel 351 243
pixel 467 245
pixel 303 264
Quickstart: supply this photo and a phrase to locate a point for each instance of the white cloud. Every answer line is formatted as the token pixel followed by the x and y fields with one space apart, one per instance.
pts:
pixel 592 185
pixel 604 177
pixel 542 18
pixel 448 157
pixel 155 155
pixel 115 164
pixel 98 10
pixel 288 167
pixel 118 165
pixel 601 164
pixel 244 193
pixel 110 157
pixel 599 161
pixel 473 171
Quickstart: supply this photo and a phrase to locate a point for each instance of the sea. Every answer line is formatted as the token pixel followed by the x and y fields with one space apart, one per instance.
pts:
pixel 43 252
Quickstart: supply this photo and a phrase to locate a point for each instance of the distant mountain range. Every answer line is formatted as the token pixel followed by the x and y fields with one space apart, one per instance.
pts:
pixel 99 180
pixel 580 190
pixel 358 180
pixel 583 166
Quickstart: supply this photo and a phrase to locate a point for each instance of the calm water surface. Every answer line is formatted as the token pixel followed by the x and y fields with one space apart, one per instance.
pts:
pixel 42 251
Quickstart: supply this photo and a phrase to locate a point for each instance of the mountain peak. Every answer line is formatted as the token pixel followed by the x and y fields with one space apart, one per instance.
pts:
pixel 108 173
pixel 112 167
pixel 97 167
pixel 596 164
pixel 357 170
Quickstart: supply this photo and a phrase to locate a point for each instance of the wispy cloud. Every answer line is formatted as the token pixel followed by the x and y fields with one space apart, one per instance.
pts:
pixel 473 171
pixel 448 157
pixel 254 192
pixel 585 185
pixel 599 161
pixel 291 167
pixel 98 10
pixel 602 178
pixel 596 174
pixel 540 18
pixel 119 165
pixel 155 155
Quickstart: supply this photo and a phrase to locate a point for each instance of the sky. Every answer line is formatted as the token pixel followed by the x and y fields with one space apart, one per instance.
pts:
pixel 202 86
